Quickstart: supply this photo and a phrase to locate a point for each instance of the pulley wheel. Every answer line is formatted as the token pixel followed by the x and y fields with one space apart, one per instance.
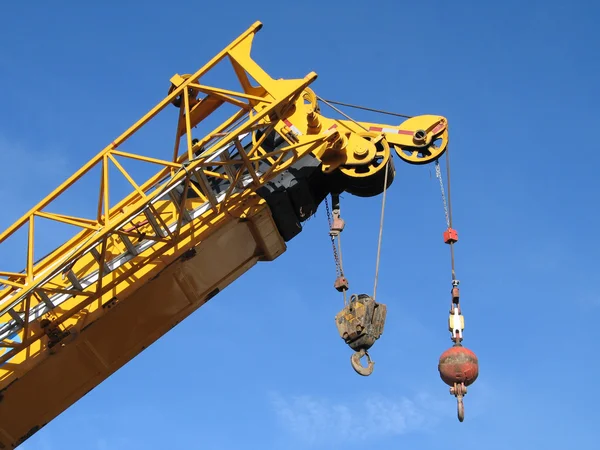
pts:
pixel 178 101
pixel 426 154
pixel 382 156
pixel 367 180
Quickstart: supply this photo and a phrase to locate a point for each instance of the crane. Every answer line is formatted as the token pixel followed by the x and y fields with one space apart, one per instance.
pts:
pixel 229 194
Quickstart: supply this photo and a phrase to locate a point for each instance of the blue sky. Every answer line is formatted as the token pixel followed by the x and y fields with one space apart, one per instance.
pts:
pixel 518 83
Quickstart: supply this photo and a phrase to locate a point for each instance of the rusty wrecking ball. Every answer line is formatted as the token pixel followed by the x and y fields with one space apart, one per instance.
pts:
pixel 458 365
pixel 459 368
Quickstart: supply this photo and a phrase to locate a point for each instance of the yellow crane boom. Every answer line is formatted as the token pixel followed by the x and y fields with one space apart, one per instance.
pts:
pixel 218 204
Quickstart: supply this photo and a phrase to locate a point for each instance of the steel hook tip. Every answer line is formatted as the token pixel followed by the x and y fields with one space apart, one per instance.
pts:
pixel 460 410
pixel 358 367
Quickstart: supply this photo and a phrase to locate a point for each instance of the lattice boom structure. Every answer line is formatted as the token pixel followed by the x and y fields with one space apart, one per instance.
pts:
pixel 207 186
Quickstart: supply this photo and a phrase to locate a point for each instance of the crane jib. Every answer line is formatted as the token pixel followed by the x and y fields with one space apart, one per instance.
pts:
pixel 215 204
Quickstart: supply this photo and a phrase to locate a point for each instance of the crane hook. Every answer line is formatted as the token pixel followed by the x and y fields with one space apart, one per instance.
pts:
pixel 460 408
pixel 360 323
pixel 358 367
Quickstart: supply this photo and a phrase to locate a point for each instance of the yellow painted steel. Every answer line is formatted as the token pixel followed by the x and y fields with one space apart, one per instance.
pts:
pixel 147 261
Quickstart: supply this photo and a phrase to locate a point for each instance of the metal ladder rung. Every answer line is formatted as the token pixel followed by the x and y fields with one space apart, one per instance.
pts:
pixel 129 245
pixel 74 280
pixel 154 224
pixel 226 157
pixel 16 317
pixel 44 297
pixel 176 198
pixel 202 180
pixel 96 254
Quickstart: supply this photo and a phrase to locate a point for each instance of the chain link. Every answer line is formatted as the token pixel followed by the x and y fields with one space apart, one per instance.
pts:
pixel 438 174
pixel 338 266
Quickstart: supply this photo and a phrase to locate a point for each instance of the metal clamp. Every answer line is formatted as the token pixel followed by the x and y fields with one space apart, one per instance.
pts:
pixel 456 324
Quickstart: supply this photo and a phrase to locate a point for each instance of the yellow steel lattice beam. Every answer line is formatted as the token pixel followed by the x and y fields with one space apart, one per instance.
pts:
pixel 71 272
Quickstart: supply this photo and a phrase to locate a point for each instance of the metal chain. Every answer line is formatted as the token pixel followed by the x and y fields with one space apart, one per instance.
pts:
pixel 338 266
pixel 336 256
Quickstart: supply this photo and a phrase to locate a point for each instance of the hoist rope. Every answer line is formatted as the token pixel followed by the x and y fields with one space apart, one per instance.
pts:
pixel 438 175
pixel 450 211
pixel 380 231
pixel 343 114
pixel 330 103
pixel 448 182
pixel 447 205
pixel 368 109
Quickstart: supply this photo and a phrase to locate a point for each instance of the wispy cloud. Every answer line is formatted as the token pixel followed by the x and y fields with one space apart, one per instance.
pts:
pixel 320 420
